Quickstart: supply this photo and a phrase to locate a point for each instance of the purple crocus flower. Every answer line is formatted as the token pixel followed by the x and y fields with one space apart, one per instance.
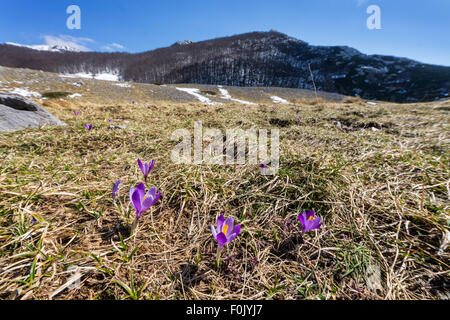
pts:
pixel 143 201
pixel 298 117
pixel 76 113
pixel 133 102
pixel 33 221
pixel 262 165
pixel 308 221
pixel 116 189
pixel 146 168
pixel 88 127
pixel 226 232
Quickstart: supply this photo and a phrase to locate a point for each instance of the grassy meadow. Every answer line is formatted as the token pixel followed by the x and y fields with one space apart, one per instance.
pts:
pixel 383 196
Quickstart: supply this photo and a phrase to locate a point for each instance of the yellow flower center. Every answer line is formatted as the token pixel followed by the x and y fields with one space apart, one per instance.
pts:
pixel 311 218
pixel 225 229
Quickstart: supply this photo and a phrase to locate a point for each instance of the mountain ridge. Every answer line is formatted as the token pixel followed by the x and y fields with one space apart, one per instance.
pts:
pixel 44 47
pixel 255 59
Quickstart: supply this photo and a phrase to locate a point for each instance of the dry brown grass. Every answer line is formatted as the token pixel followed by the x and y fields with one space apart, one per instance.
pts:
pixel 383 196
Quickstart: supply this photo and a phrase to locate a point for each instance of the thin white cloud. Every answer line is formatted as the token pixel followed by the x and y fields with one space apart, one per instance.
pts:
pixel 77 43
pixel 118 46
pixel 113 46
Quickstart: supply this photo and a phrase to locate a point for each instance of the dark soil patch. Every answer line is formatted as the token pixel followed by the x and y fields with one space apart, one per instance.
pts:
pixel 280 122
pixel 350 124
pixel 356 114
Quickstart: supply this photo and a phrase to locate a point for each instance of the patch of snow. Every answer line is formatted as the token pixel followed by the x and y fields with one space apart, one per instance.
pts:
pixel 123 85
pixel 185 42
pixel 196 93
pixel 226 95
pixel 75 95
pixel 372 103
pixel 26 93
pixel 45 47
pixel 99 76
pixel 279 100
pixel 106 77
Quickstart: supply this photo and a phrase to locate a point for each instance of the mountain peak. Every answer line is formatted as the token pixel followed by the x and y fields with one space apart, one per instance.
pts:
pixel 183 43
pixel 44 47
pixel 258 59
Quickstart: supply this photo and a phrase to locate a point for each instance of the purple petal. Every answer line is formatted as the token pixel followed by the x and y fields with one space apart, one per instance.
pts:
pixel 152 192
pixel 307 226
pixel 141 189
pixel 235 233
pixel 136 199
pixel 230 223
pixel 157 197
pixel 302 218
pixel 310 214
pixel 317 223
pixel 131 193
pixel 151 164
pixel 149 199
pixel 220 222
pixel 213 231
pixel 115 189
pixel 141 165
pixel 222 239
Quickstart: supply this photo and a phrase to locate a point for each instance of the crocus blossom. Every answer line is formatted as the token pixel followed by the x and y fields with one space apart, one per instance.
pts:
pixel 76 113
pixel 115 189
pixel 146 168
pixel 88 127
pixel 141 200
pixel 226 232
pixel 309 221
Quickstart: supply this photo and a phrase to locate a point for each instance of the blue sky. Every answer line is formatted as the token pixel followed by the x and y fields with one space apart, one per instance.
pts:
pixel 417 29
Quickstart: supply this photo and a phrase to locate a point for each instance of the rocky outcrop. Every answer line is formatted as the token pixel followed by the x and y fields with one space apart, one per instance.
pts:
pixel 17 113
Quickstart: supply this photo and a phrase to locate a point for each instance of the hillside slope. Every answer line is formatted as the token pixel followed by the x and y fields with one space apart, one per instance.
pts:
pixel 376 174
pixel 269 59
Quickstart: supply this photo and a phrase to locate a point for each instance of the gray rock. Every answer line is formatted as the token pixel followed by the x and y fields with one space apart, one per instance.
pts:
pixel 337 124
pixel 17 113
pixel 117 127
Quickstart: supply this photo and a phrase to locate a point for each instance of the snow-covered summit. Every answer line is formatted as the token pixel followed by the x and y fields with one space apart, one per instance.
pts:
pixel 45 47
